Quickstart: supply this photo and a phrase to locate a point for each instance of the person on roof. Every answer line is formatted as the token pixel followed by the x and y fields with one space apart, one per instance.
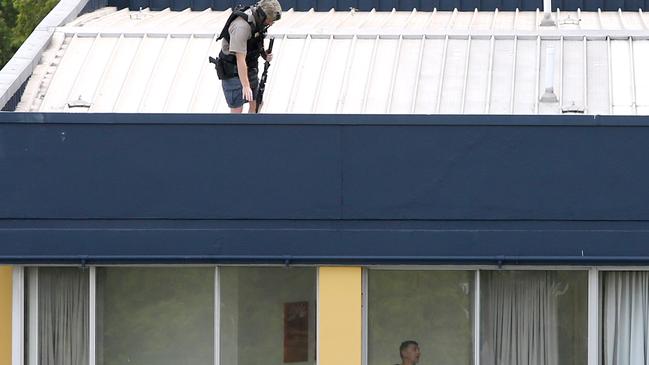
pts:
pixel 242 45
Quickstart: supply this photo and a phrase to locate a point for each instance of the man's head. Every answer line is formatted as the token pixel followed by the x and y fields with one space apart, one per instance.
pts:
pixel 409 352
pixel 272 9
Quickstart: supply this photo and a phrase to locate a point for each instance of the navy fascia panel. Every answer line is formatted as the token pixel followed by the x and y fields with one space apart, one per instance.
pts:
pixel 324 242
pixel 388 5
pixel 323 188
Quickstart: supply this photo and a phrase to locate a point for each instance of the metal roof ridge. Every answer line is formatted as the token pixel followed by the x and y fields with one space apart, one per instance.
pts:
pixel 554 33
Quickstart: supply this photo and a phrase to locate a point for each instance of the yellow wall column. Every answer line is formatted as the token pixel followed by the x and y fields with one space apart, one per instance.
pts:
pixel 5 314
pixel 340 316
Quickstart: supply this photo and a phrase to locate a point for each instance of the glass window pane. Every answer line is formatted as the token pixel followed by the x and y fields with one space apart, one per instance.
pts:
pixel 433 308
pixel 56 316
pixel 155 316
pixel 625 317
pixel 533 317
pixel 268 315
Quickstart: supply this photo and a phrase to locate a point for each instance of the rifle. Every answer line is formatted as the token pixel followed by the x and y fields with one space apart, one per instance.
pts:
pixel 262 83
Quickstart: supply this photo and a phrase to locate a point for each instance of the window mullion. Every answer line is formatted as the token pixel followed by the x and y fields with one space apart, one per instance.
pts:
pixel 364 287
pixel 593 317
pixel 92 314
pixel 476 319
pixel 18 316
pixel 217 317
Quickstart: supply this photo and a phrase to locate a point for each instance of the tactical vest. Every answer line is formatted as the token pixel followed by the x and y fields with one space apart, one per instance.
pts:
pixel 254 46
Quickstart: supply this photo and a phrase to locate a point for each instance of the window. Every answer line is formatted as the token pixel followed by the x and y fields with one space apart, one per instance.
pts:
pixel 155 316
pixel 533 317
pixel 268 315
pixel 56 316
pixel 168 316
pixel 625 317
pixel 433 308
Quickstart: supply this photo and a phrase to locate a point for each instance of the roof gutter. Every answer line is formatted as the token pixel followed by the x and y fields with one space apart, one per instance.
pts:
pixel 288 260
pixel 16 72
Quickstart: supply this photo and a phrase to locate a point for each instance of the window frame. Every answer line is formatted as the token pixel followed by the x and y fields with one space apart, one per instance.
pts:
pixel 593 344
pixel 19 284
pixel 595 315
pixel 594 323
pixel 18 316
pixel 18 310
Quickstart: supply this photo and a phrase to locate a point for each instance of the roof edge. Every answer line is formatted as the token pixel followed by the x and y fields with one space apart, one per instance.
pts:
pixel 22 64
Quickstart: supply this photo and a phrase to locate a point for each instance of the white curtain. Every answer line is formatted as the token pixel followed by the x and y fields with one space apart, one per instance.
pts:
pixel 63 316
pixel 626 318
pixel 519 318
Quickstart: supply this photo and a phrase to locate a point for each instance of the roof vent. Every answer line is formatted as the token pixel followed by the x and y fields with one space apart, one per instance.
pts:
pixel 78 103
pixel 547 14
pixel 572 109
pixel 549 96
pixel 569 20
pixel 139 15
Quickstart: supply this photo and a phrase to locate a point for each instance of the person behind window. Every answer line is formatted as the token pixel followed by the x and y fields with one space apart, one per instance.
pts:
pixel 409 352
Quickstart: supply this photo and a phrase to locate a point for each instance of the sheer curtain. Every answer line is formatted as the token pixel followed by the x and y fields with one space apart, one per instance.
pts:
pixel 519 318
pixel 63 316
pixel 626 318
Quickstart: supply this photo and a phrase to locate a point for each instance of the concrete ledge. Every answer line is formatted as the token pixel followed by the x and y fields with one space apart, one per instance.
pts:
pixel 22 64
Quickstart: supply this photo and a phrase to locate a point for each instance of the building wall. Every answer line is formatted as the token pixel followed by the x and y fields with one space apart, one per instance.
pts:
pixel 5 314
pixel 340 319
pixel 255 191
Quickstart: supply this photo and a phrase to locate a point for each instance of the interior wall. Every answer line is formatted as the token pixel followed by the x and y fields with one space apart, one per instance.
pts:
pixel 149 315
pixel 252 312
pixel 433 308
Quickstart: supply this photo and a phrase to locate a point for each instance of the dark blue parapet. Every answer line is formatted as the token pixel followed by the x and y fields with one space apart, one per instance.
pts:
pixel 388 5
pixel 324 188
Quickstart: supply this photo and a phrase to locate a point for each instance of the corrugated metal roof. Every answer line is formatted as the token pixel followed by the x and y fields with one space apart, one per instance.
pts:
pixel 388 5
pixel 354 62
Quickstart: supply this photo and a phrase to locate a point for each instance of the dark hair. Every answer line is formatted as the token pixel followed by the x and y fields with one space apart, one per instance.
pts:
pixel 404 345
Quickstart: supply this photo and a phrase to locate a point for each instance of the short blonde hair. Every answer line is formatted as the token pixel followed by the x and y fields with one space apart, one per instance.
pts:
pixel 272 8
